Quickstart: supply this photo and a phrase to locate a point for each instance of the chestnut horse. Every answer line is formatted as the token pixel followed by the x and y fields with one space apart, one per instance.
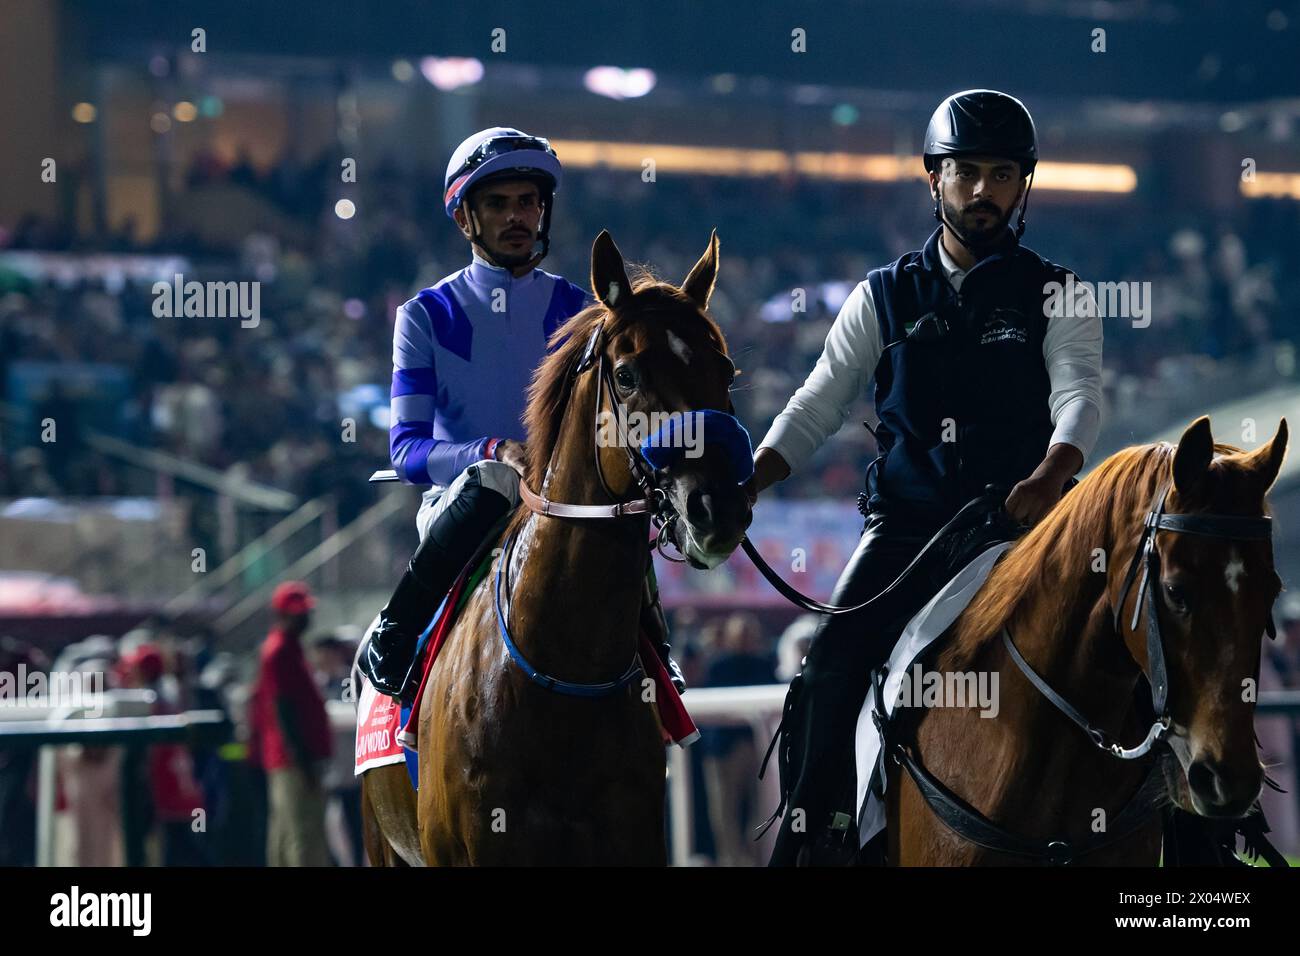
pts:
pixel 512 771
pixel 1066 599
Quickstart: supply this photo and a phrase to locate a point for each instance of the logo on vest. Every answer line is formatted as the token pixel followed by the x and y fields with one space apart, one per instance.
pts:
pixel 1003 325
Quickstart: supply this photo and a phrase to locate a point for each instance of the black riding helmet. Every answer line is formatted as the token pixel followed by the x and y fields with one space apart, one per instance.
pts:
pixel 985 122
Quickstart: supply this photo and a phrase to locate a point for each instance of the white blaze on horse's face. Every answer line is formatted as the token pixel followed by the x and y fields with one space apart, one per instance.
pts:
pixel 680 348
pixel 1211 635
pixel 1234 570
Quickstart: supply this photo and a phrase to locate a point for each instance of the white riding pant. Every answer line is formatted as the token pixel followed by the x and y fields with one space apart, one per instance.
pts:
pixel 496 475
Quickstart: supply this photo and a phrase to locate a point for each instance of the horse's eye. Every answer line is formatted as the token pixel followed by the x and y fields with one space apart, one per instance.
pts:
pixel 1177 596
pixel 625 377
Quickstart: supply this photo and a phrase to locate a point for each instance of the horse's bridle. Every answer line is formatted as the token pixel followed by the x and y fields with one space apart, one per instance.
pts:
pixel 967 822
pixel 654 499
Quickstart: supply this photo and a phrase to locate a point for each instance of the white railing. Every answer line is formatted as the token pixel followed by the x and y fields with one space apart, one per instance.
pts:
pixel 757 707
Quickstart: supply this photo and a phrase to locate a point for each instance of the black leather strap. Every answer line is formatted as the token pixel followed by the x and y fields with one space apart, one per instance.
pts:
pixel 969 824
pixel 1220 526
pixel 990 501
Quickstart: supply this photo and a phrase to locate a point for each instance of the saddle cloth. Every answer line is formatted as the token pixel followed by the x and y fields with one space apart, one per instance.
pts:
pixel 927 626
pixel 378 721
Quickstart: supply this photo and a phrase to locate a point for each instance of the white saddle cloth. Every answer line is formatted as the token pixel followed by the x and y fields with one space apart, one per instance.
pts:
pixel 921 631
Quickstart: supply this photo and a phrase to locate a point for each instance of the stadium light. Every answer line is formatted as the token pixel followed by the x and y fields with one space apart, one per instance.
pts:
pixel 852 167
pixel 451 72
pixel 1272 186
pixel 618 83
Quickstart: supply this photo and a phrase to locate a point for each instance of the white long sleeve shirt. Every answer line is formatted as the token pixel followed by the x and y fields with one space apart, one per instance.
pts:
pixel 1071 351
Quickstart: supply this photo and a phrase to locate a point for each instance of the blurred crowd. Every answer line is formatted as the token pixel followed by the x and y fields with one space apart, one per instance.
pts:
pixel 272 402
pixel 172 804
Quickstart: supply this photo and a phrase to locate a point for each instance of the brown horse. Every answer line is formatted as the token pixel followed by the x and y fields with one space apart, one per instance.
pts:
pixel 1063 596
pixel 512 771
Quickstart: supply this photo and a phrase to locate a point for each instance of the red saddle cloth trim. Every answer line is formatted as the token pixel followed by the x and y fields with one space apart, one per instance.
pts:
pixel 407 735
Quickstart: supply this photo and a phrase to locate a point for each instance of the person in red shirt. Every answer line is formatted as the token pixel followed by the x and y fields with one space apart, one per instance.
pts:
pixel 168 770
pixel 290 735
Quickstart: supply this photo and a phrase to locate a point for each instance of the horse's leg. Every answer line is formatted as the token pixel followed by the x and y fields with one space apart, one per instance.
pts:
pixel 379 851
pixel 371 835
pixel 388 813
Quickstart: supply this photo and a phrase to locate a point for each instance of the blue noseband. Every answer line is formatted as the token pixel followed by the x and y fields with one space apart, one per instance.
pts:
pixel 703 428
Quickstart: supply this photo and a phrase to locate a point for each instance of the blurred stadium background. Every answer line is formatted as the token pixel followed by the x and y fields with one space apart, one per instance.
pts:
pixel 1170 158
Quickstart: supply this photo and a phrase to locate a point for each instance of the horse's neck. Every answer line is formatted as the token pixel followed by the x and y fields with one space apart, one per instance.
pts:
pixel 1034 764
pixel 576 583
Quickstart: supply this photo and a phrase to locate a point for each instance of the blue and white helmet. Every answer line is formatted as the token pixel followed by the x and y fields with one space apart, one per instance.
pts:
pixel 497 152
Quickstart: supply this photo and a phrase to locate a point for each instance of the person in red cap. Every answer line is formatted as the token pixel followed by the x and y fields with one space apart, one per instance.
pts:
pixel 290 735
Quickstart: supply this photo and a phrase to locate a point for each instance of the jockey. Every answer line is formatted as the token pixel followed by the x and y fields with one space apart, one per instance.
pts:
pixel 980 381
pixel 464 351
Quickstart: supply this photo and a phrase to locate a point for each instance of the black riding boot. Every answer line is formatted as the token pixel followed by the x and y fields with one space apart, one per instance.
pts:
pixel 388 654
pixel 817 827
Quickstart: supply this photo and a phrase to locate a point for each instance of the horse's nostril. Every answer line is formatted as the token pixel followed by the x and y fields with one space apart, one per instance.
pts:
pixel 1219 790
pixel 1202 779
pixel 699 508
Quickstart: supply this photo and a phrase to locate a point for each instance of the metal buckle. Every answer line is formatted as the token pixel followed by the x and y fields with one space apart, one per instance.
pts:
pixel 1059 853
pixel 589 353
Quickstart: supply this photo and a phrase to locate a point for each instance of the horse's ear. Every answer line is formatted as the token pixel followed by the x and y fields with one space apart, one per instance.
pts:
pixel 1265 461
pixel 1193 456
pixel 608 276
pixel 699 284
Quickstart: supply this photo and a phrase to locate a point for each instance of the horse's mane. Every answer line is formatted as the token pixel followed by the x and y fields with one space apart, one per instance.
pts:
pixel 548 394
pixel 1105 503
